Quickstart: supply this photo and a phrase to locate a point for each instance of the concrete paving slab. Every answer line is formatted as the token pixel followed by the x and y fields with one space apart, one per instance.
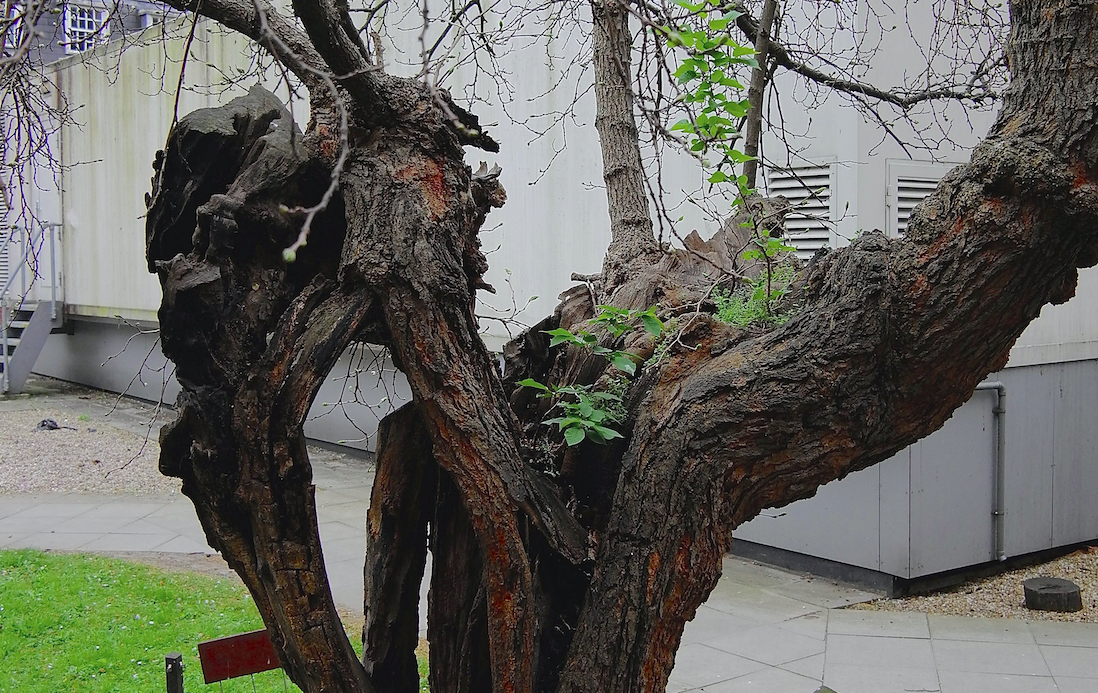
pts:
pixel 756 615
pixel 848 678
pixel 990 657
pixel 1075 662
pixel 181 519
pixel 1006 630
pixel 708 623
pixel 813 625
pixel 812 667
pixel 892 624
pixel 124 507
pixel 53 509
pixel 99 524
pixel 29 524
pixel 697 665
pixel 754 574
pixel 346 590
pixel 1063 633
pixel 969 682
pixel 336 530
pixel 129 542
pixel 760 605
pixel 879 651
pixel 824 593
pixel 185 545
pixel 10 540
pixel 146 527
pixel 1069 684
pixel 765 681
pixel 55 541
pixel 769 645
pixel 9 505
pixel 350 549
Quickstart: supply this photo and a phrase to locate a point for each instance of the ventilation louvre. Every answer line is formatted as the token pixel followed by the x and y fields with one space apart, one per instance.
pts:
pixel 909 183
pixel 5 231
pixel 808 188
pixel 909 192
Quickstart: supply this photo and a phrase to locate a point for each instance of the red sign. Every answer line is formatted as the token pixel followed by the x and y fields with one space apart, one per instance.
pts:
pixel 237 655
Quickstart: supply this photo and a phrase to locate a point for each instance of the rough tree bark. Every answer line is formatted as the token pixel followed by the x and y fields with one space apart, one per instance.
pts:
pixel 634 244
pixel 554 568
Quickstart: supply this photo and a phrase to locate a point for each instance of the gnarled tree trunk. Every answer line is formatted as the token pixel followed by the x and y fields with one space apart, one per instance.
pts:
pixel 555 568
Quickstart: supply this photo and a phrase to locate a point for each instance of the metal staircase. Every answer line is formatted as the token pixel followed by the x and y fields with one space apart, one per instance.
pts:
pixel 29 305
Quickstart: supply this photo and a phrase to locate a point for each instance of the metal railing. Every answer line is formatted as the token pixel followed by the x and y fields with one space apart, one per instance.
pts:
pixel 25 276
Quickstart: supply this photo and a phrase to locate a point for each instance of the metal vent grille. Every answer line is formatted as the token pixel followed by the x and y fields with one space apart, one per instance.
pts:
pixel 809 189
pixel 908 193
pixel 5 246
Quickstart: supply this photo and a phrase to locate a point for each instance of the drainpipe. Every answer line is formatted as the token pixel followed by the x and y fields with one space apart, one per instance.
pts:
pixel 998 511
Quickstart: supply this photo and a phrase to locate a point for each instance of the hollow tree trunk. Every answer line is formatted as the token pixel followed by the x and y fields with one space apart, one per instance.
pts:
pixel 252 342
pixel 890 337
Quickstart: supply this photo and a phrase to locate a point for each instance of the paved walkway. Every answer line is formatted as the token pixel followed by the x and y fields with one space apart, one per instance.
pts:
pixel 762 629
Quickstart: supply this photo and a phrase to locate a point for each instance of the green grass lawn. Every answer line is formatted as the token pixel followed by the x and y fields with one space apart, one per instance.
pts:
pixel 72 622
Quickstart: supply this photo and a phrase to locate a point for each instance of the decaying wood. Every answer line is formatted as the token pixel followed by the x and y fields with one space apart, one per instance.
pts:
pixel 556 568
pixel 402 503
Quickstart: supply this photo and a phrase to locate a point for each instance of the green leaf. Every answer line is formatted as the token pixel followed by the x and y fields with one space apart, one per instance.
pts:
pixel 568 422
pixel 606 433
pixel 574 435
pixel 586 410
pixel 684 125
pixel 595 437
pixel 605 396
pixel 652 324
pixel 601 350
pixel 623 363
pixel 562 336
pixel 718 177
pixel 530 382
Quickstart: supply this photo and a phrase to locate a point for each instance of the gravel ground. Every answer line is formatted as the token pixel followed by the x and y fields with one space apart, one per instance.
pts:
pixel 1001 596
pixel 94 458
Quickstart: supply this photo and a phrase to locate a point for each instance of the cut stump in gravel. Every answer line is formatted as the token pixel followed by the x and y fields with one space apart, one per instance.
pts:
pixel 1052 594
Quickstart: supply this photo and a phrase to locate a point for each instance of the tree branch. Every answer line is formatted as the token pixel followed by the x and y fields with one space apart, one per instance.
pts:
pixel 903 99
pixel 296 50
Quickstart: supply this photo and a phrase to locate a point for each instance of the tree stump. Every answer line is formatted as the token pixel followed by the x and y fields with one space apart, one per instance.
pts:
pixel 1052 594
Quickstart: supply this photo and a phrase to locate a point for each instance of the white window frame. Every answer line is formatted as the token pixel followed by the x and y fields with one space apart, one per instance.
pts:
pixel 16 32
pixel 83 28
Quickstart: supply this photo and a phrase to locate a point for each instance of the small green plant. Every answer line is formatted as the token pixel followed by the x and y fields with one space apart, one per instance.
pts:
pixel 712 99
pixel 586 412
pixel 589 413
pixel 83 417
pixel 754 303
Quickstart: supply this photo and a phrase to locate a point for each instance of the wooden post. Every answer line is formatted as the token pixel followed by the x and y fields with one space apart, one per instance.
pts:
pixel 173 668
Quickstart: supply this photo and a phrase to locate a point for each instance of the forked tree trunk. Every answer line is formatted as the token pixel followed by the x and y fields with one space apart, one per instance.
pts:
pixel 554 568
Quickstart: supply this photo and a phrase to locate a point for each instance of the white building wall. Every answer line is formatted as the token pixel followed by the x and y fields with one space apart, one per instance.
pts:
pixel 125 105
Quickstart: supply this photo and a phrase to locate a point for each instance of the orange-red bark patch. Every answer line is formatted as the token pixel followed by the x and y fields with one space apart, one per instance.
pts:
pixel 428 175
